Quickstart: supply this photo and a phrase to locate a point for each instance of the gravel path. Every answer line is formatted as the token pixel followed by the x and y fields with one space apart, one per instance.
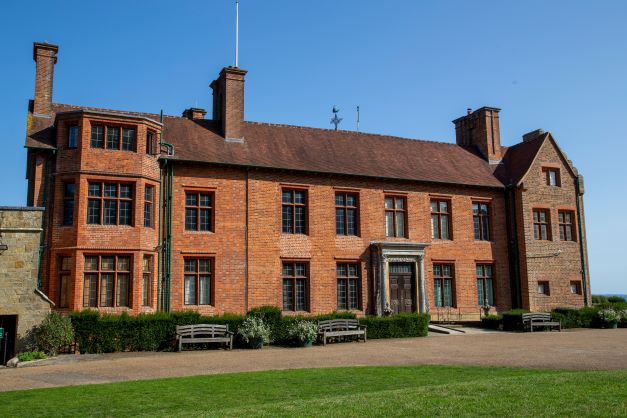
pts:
pixel 574 349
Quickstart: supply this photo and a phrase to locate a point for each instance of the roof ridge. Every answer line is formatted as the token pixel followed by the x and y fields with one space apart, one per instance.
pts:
pixel 104 109
pixel 344 131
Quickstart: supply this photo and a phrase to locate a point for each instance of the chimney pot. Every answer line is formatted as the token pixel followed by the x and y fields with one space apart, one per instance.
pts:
pixel 228 102
pixel 480 131
pixel 45 56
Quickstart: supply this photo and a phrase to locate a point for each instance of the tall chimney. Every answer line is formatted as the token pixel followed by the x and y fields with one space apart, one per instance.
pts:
pixel 45 56
pixel 479 130
pixel 228 102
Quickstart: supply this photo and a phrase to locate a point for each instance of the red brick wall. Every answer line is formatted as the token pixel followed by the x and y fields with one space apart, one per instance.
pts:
pixel 537 262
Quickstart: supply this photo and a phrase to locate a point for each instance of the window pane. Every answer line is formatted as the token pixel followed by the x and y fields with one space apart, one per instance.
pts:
pixel 128 139
pixel 341 294
pixel 148 193
pixel 389 224
pixel 205 219
pixel 353 299
pixel 64 281
pixel 480 296
pixel 288 213
pixel 94 189
pixel 444 220
pixel 489 291
pixel 124 263
pixel 147 265
pixel 205 200
pixel 91 263
pixel 111 190
pixel 475 208
pixel 352 270
pixel 89 290
pixel 434 206
pixel 110 212
pixel 435 228
pixel 299 196
pixel 190 290
pixel 389 203
pixel 400 203
pixel 287 196
pixel 107 263
pixel 339 199
pixel 106 289
pixel 288 303
pixel 191 223
pixel 400 225
pixel 204 266
pixel 66 263
pixel 126 213
pixel 300 295
pixel 191 199
pixel 446 270
pixel 205 290
pixel 340 222
pixel 190 266
pixel 486 229
pixel 113 137
pixel 477 227
pixel 288 270
pixel 126 191
pixel 351 221
pixel 488 271
pixel 437 271
pixel 299 227
pixel 448 293
pixel 72 137
pixel 68 212
pixel 351 200
pixel 300 270
pixel 147 215
pixel 146 286
pixel 122 290
pixel 97 136
pixel 437 292
pixel 69 189
pixel 342 270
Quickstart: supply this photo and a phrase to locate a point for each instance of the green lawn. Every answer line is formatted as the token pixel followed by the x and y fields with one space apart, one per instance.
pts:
pixel 358 391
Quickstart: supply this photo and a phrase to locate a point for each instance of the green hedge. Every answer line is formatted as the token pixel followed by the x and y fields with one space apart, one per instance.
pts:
pixel 396 326
pixel 492 321
pixel 96 333
pixel 512 320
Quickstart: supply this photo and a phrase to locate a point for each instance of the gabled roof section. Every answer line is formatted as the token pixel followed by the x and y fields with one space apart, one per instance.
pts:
pixel 519 158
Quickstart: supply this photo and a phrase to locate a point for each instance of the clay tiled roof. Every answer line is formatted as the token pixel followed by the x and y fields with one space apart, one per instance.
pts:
pixel 309 149
pixel 518 158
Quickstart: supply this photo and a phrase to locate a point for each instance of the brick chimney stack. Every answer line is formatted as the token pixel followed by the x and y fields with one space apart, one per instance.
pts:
pixel 228 102
pixel 479 130
pixel 194 113
pixel 45 56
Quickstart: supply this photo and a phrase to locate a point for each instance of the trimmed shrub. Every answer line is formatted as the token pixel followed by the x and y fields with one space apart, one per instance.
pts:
pixel 512 320
pixel 596 299
pixel 335 315
pixel 491 321
pixel 31 355
pixel 396 326
pixel 569 317
pixel 97 333
pixel 616 299
pixel 54 333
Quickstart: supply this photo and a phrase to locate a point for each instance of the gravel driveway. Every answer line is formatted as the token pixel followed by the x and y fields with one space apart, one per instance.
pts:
pixel 573 349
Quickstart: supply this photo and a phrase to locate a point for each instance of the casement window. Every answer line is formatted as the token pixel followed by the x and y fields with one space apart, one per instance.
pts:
pixel 295 286
pixel 198 281
pixel 199 211
pixel 65 274
pixel 149 200
pixel 110 203
pixel 443 285
pixel 543 288
pixel 346 209
pixel 107 281
pixel 575 287
pixel 395 216
pixel 440 219
pixel 567 229
pixel 294 211
pixel 150 143
pixel 552 176
pixel 72 136
pixel 69 190
pixel 481 221
pixel 147 280
pixel 113 137
pixel 541 224
pixel 485 285
pixel 347 286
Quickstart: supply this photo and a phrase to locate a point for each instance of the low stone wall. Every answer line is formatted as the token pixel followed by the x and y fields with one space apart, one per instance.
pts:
pixel 20 231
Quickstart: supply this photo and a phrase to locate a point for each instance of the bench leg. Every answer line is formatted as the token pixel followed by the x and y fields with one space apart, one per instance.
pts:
pixel 180 344
pixel 324 340
pixel 231 344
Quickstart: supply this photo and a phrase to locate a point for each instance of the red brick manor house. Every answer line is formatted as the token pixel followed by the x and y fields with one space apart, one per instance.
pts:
pixel 146 212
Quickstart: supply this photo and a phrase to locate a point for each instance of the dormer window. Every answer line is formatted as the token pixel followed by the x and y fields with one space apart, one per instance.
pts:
pixel 109 137
pixel 552 176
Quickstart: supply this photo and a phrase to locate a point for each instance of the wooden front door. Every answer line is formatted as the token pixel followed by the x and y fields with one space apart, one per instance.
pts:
pixel 402 288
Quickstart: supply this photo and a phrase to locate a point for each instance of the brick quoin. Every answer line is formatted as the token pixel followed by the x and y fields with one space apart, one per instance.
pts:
pixel 246 245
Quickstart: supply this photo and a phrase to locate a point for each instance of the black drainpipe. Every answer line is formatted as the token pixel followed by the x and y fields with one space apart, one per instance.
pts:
pixel 512 247
pixel 582 244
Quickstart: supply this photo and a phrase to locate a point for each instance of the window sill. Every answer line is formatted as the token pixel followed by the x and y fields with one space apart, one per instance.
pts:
pixel 187 231
pixel 300 234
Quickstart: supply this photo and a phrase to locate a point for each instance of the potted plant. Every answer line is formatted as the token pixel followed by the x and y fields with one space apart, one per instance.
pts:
pixel 254 332
pixel 609 317
pixel 622 314
pixel 302 333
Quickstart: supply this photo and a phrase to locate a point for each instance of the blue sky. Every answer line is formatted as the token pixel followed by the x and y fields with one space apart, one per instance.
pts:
pixel 411 66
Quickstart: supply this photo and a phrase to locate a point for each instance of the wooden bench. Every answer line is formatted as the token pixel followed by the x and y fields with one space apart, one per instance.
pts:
pixel 204 333
pixel 340 328
pixel 539 319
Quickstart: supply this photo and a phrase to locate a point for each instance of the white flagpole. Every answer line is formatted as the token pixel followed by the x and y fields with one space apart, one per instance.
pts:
pixel 236 33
